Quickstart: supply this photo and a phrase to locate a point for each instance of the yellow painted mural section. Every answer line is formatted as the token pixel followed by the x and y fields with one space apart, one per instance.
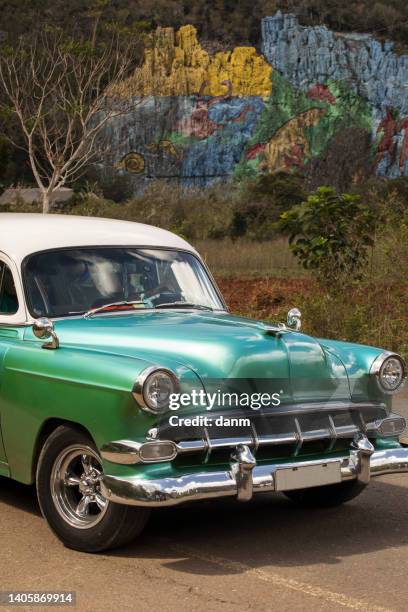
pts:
pixel 175 64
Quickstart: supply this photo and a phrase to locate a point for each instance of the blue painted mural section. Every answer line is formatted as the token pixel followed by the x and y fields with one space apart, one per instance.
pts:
pixel 211 158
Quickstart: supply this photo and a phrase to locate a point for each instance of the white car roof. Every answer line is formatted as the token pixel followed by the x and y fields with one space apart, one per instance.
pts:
pixel 24 233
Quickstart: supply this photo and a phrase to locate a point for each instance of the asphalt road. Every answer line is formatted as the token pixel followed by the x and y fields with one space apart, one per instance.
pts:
pixel 264 555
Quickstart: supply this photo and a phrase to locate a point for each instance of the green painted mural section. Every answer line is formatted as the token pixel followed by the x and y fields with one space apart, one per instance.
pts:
pixel 280 125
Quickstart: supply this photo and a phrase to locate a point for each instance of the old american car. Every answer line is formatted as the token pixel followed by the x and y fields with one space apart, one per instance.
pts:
pixel 102 322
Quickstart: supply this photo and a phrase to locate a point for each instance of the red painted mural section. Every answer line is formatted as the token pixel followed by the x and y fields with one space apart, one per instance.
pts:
pixel 255 150
pixel 388 131
pixel 321 93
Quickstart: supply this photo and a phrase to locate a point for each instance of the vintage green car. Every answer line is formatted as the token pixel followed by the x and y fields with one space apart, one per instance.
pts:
pixel 127 385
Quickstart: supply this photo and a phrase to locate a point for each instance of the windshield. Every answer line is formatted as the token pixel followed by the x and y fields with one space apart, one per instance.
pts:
pixel 70 282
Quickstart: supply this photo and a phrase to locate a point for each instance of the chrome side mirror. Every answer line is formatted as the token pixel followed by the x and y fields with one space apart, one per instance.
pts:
pixel 43 329
pixel 294 319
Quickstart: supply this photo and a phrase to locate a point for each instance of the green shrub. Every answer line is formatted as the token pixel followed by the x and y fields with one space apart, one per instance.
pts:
pixel 330 234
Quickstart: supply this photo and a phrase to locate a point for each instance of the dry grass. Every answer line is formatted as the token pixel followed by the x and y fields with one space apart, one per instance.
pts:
pixel 246 259
pixel 264 298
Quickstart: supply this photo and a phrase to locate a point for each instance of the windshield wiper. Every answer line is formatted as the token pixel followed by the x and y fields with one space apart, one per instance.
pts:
pixel 93 311
pixel 183 305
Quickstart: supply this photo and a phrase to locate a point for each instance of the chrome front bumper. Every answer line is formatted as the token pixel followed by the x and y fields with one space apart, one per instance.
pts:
pixel 245 477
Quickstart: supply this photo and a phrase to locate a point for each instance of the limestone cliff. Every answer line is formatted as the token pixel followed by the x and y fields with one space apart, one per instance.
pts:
pixel 310 56
pixel 307 56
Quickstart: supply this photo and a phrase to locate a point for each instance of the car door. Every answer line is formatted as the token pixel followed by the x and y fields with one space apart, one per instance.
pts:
pixel 11 310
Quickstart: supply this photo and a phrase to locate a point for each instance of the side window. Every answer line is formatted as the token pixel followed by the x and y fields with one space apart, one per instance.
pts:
pixel 8 294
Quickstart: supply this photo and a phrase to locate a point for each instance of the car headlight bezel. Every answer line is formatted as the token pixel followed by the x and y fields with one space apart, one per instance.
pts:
pixel 379 371
pixel 140 390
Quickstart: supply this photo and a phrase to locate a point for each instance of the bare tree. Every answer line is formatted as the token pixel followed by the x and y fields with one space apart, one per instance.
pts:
pixel 57 89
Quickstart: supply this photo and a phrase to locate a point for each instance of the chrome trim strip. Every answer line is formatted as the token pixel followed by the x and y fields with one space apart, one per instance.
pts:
pixel 286 438
pixel 190 446
pixel 126 452
pixel 299 437
pixel 333 432
pixel 255 437
pixel 216 443
pixel 360 463
pixel 207 445
pixel 320 407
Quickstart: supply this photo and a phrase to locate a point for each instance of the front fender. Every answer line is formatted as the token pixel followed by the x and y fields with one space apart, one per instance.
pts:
pixel 357 360
pixel 87 387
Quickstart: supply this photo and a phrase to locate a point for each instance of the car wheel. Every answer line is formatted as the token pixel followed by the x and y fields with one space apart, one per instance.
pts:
pixel 68 488
pixel 327 496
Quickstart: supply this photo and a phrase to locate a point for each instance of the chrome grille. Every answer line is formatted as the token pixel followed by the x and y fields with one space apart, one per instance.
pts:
pixel 289 431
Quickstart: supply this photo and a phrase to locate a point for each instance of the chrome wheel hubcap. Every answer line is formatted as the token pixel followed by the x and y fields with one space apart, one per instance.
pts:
pixel 76 489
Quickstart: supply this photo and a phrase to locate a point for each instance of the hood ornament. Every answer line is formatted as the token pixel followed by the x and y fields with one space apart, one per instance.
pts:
pixel 293 323
pixel 274 330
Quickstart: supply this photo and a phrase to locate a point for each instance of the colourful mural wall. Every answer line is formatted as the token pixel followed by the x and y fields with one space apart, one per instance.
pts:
pixel 197 118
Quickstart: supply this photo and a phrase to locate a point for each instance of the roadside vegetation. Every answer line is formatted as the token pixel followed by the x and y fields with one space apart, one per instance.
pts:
pixel 341 258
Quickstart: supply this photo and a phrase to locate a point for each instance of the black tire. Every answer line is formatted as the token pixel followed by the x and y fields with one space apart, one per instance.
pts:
pixel 327 496
pixel 117 524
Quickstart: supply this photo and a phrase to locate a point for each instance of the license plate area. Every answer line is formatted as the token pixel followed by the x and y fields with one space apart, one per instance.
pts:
pixel 305 476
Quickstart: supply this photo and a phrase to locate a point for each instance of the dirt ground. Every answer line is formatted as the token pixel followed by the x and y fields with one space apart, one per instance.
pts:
pixel 262 298
pixel 264 555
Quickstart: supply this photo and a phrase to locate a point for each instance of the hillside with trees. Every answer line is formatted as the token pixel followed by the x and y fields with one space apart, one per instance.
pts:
pixel 220 22
pixel 305 134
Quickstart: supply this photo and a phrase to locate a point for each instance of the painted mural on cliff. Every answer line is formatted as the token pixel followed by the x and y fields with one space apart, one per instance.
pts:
pixel 314 56
pixel 199 118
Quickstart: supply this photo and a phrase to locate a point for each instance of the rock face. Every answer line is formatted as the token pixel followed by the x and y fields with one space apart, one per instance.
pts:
pixel 308 56
pixel 199 118
pixel 313 56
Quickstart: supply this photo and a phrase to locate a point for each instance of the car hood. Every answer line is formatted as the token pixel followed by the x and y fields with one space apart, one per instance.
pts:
pixel 216 346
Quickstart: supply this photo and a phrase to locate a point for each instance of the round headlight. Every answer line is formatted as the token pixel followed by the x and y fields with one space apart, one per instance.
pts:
pixel 153 389
pixel 390 371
